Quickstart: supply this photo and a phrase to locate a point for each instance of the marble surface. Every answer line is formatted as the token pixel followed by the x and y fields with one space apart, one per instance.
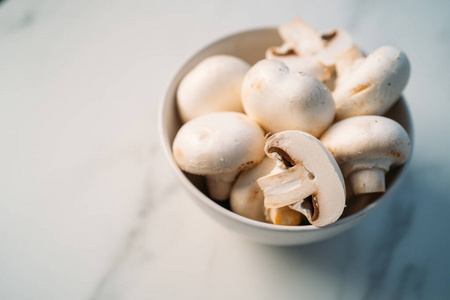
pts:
pixel 89 208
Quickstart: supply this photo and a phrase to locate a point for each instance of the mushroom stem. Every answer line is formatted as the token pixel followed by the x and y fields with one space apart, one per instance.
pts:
pixel 291 186
pixel 283 216
pixel 367 181
pixel 219 185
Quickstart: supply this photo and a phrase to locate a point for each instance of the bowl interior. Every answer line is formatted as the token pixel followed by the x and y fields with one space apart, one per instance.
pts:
pixel 251 46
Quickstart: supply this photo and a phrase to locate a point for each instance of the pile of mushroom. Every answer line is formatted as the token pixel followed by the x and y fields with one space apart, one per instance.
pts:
pixel 289 139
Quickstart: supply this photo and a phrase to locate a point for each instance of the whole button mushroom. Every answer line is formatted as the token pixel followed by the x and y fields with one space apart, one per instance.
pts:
pixel 310 181
pixel 372 86
pixel 366 147
pixel 247 198
pixel 213 85
pixel 279 99
pixel 219 146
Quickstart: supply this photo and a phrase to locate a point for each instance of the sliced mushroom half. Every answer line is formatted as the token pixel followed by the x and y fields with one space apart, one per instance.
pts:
pixel 310 181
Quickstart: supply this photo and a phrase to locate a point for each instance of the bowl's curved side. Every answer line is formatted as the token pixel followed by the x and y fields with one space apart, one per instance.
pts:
pixel 251 46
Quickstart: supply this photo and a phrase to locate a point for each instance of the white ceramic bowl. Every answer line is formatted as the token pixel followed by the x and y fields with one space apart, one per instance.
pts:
pixel 251 46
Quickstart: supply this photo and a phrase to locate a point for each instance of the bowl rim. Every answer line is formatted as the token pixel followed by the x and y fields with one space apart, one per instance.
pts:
pixel 187 184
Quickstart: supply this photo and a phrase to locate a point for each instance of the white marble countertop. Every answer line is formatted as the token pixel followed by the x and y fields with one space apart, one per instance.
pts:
pixel 89 208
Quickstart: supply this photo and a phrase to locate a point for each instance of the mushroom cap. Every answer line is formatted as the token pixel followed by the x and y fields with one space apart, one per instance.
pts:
pixel 366 142
pixel 306 51
pixel 346 59
pixel 320 177
pixel 305 39
pixel 213 85
pixel 218 143
pixel 300 64
pixel 279 99
pixel 346 62
pixel 246 198
pixel 374 85
pixel 335 43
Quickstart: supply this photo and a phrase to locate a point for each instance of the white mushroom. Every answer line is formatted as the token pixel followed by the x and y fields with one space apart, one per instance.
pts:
pixel 247 198
pixel 306 50
pixel 303 38
pixel 346 62
pixel 311 182
pixel 219 146
pixel 213 85
pixel 374 85
pixel 300 64
pixel 279 99
pixel 366 147
pixel 335 42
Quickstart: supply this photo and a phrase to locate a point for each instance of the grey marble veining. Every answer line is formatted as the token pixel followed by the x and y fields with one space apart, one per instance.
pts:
pixel 90 210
